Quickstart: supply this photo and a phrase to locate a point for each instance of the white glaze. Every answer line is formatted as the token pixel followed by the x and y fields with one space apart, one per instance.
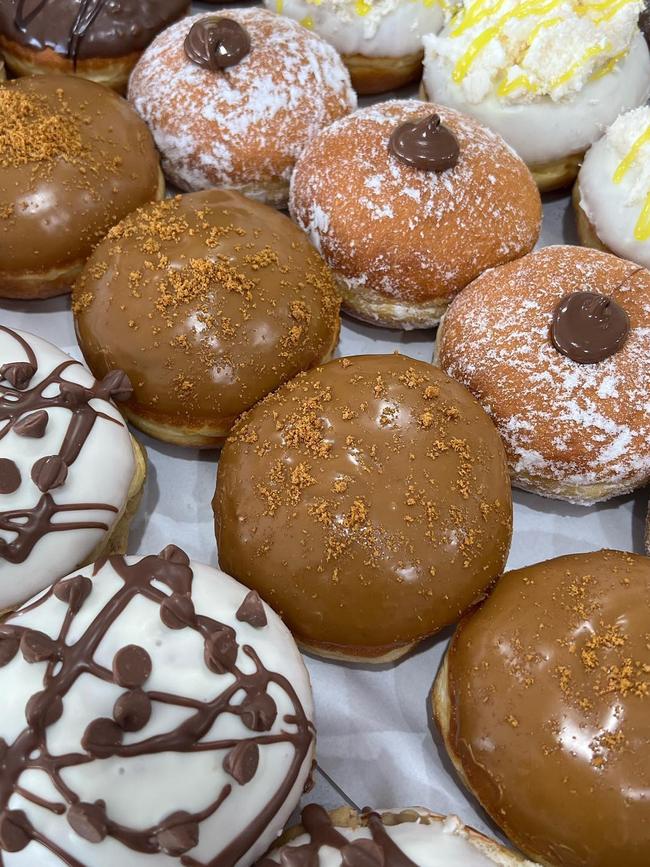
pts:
pixel 390 28
pixel 141 791
pixel 544 130
pixel 101 474
pixel 614 208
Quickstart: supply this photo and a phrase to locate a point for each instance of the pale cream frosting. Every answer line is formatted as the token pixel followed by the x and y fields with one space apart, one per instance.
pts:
pixel 371 28
pixel 614 185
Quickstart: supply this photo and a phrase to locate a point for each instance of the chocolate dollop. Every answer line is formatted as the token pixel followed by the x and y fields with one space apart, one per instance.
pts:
pixel 216 43
pixel 427 145
pixel 588 327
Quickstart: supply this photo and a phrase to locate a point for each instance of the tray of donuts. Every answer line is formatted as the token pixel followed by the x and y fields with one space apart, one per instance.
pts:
pixel 324 433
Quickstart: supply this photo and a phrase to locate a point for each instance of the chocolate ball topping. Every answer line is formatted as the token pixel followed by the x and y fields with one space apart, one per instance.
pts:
pixel 589 327
pixel 427 145
pixel 216 43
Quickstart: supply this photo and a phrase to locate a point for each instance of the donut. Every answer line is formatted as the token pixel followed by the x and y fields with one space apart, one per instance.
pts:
pixel 394 484
pixel 71 475
pixel 542 702
pixel 74 160
pixel 405 838
pixel 154 711
pixel 402 200
pixel 232 99
pixel 96 39
pixel 210 301
pixel 548 78
pixel 556 348
pixel 612 194
pixel 380 42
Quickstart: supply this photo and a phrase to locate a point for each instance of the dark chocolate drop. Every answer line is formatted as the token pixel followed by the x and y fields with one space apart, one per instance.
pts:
pixel 177 612
pixel 9 645
pixel 259 712
pixel 220 651
pixel 427 145
pixel 101 737
pixel 9 476
pixel 216 43
pixel 32 426
pixel 116 385
pixel 49 472
pixel 132 710
pixel 588 327
pixel 178 835
pixel 37 647
pixel 174 554
pixel 88 821
pixel 131 666
pixel 242 762
pixel 74 591
pixel 19 374
pixel 251 611
pixel 15 831
pixel 42 710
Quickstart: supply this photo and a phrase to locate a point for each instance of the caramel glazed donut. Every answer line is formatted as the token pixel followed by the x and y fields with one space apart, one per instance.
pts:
pixel 233 99
pixel 71 475
pixel 402 200
pixel 74 160
pixel 542 701
pixel 96 39
pixel 406 838
pixel 210 301
pixel 394 483
pixel 154 711
pixel 556 347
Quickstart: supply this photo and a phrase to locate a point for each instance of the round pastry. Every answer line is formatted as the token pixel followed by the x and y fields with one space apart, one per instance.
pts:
pixel 402 200
pixel 154 710
pixel 97 39
pixel 209 301
pixel 612 194
pixel 556 347
pixel 548 76
pixel 394 483
pixel 380 41
pixel 74 160
pixel 232 99
pixel 404 838
pixel 542 701
pixel 71 475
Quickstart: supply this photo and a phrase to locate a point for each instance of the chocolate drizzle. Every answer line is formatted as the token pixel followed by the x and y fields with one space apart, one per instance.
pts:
pixel 24 409
pixel 381 851
pixel 216 43
pixel 86 15
pixel 588 327
pixel 427 145
pixel 178 832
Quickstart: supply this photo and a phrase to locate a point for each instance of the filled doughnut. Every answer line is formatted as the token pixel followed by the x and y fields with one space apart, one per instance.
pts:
pixel 394 484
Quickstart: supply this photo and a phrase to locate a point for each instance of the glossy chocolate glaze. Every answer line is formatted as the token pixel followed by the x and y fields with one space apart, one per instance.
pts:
pixel 550 688
pixel 367 500
pixel 82 29
pixel 74 160
pixel 211 300
pixel 588 327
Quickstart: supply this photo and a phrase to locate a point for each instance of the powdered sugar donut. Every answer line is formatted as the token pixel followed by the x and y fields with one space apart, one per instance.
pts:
pixel 556 347
pixel 408 202
pixel 70 473
pixel 154 712
pixel 232 99
pixel 380 42
pixel 548 77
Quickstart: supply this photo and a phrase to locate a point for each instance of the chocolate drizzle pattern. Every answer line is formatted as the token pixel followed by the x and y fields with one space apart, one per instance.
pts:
pixel 67 660
pixel 24 409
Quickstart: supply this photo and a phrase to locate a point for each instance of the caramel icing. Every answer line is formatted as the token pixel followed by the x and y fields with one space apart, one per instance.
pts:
pixel 74 160
pixel 549 687
pixel 211 301
pixel 368 501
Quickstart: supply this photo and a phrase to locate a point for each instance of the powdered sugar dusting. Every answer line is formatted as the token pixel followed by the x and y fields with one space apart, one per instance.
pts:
pixel 569 423
pixel 409 234
pixel 247 124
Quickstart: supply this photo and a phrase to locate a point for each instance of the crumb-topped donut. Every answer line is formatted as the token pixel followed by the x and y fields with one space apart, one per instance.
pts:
pixel 612 194
pixel 70 473
pixel 394 484
pixel 408 203
pixel 380 41
pixel 547 76
pixel 209 301
pixel 97 39
pixel 542 701
pixel 556 347
pixel 232 99
pixel 406 838
pixel 154 710
pixel 74 160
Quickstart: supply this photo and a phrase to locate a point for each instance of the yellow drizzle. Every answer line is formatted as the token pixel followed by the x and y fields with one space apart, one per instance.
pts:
pixel 362 8
pixel 279 6
pixel 307 22
pixel 642 228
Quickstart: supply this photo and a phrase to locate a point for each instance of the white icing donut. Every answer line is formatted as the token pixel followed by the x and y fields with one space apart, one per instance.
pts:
pixel 36 422
pixel 555 115
pixel 386 28
pixel 614 185
pixel 205 737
